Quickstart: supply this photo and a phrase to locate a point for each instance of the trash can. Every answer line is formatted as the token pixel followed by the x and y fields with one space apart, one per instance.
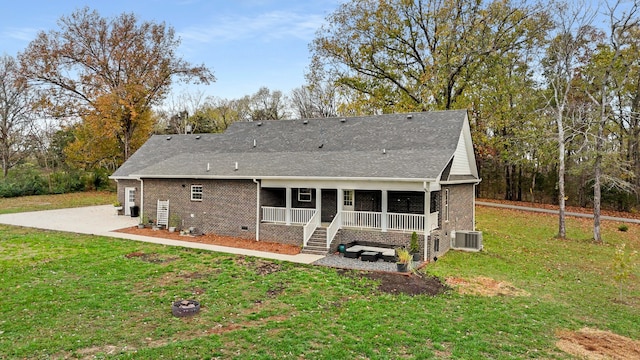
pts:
pixel 135 211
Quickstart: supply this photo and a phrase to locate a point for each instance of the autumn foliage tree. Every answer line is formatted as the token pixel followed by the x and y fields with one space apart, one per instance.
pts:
pixel 108 73
pixel 407 55
pixel 15 114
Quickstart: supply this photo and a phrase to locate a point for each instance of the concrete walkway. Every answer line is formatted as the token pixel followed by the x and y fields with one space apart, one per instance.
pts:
pixel 555 212
pixel 103 221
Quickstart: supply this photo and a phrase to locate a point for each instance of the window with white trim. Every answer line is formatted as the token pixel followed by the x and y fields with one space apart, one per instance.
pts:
pixel 445 205
pixel 348 198
pixel 196 192
pixel 304 195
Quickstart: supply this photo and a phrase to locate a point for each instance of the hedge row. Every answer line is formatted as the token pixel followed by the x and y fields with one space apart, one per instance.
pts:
pixel 28 180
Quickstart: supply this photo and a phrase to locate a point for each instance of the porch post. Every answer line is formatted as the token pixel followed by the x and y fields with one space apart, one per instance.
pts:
pixel 319 204
pixel 385 205
pixel 427 222
pixel 339 201
pixel 287 212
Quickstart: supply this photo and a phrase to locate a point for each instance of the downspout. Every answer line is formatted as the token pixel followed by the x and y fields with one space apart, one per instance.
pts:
pixel 257 209
pixel 427 232
pixel 141 198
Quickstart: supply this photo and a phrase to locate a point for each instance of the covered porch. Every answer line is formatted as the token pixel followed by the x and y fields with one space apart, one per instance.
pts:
pixel 366 209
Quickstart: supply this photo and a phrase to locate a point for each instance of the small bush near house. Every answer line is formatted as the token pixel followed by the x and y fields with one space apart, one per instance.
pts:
pixel 623 228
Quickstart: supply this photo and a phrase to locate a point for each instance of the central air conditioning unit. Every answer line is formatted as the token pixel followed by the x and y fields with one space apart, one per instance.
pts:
pixel 467 240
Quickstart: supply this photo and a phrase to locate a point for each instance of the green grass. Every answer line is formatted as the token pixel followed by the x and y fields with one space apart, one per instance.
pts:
pixel 77 296
pixel 60 201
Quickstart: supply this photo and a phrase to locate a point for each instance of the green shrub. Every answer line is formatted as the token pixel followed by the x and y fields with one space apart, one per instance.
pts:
pixel 623 228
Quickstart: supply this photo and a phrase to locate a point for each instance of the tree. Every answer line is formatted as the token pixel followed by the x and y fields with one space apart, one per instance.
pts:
pixel 566 53
pixel 16 100
pixel 601 73
pixel 407 55
pixel 108 73
pixel 266 105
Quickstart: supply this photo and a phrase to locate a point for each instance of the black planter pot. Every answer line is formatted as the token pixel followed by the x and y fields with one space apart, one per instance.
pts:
pixel 402 267
pixel 416 256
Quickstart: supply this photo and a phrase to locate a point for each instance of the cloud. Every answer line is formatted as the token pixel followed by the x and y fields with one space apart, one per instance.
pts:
pixel 266 27
pixel 21 34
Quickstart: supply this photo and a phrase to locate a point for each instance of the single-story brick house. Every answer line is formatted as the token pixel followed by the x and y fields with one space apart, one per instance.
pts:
pixel 371 178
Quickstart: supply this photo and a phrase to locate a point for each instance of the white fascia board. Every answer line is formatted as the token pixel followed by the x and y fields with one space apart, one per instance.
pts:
pixel 457 182
pixel 287 178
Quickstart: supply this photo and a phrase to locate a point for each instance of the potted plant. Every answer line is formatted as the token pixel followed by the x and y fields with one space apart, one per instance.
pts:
pixel 174 222
pixel 144 220
pixel 404 259
pixel 414 248
pixel 118 206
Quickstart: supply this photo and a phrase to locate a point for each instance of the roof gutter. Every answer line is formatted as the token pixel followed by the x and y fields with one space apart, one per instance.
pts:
pixel 457 182
pixel 229 177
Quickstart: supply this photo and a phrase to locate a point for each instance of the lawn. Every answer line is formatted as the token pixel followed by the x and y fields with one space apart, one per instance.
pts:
pixel 77 296
pixel 59 201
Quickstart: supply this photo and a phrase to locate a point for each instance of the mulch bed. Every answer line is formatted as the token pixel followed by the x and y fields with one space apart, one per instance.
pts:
pixel 398 283
pixel 212 239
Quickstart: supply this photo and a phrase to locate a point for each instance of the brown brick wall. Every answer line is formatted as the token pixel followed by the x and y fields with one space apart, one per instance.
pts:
pixel 121 185
pixel 461 200
pixel 460 208
pixel 228 207
pixel 285 234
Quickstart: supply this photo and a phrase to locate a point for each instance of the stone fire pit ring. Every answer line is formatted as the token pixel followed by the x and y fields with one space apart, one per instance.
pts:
pixel 182 308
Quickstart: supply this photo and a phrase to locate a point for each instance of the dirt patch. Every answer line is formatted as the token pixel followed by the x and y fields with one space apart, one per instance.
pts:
pixel 484 286
pixel 219 240
pixel 396 283
pixel 152 258
pixel 260 266
pixel 594 344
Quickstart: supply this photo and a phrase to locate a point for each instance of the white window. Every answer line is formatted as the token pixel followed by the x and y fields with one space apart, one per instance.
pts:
pixel 196 192
pixel 348 198
pixel 304 195
pixel 445 205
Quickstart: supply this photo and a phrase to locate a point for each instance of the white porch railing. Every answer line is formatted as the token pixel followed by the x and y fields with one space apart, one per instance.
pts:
pixel 279 215
pixel 274 214
pixel 361 219
pixel 301 216
pixel 333 228
pixel 412 222
pixel 433 220
pixel 310 227
pixel 395 221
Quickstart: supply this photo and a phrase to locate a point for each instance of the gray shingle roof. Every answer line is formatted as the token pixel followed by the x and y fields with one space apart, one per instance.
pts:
pixel 383 146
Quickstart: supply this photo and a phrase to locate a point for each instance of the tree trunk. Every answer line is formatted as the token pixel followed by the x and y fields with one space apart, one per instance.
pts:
pixel 562 226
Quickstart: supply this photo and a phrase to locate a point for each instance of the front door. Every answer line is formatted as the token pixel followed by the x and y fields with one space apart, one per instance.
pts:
pixel 348 199
pixel 129 199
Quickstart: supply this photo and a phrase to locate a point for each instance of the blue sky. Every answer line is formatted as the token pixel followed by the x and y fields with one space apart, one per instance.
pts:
pixel 247 43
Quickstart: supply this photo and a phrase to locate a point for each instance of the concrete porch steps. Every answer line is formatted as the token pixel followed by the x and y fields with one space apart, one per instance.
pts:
pixel 317 244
